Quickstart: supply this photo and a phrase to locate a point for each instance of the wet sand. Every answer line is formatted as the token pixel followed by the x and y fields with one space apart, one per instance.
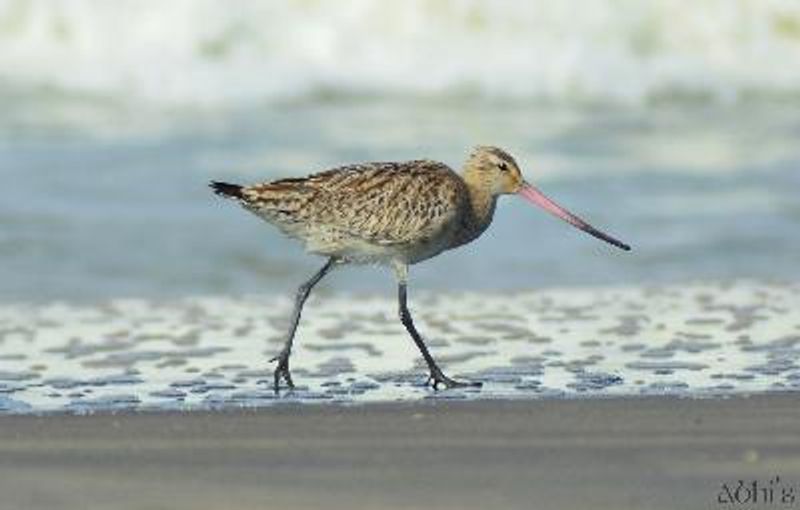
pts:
pixel 653 452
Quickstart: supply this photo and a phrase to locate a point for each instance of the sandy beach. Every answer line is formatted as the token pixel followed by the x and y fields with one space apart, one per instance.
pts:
pixel 618 398
pixel 654 452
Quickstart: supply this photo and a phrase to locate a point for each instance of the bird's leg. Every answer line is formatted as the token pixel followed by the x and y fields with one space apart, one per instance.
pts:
pixel 282 370
pixel 436 377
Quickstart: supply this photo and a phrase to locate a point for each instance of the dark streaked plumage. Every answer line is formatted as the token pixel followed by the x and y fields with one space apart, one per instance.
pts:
pixel 373 212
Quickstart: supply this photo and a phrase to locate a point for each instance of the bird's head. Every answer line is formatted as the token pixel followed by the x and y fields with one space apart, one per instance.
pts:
pixel 493 170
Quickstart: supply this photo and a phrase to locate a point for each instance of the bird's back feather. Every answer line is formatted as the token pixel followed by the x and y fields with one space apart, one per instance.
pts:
pixel 402 205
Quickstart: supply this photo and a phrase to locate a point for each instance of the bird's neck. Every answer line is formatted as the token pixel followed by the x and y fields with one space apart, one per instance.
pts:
pixel 479 210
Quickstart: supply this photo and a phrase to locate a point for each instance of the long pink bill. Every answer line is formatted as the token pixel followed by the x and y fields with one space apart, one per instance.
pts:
pixel 535 196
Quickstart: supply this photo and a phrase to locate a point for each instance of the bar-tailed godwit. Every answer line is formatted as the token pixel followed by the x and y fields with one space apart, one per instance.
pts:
pixel 395 214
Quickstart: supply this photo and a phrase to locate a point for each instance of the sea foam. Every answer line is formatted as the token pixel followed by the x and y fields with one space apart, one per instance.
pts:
pixel 212 53
pixel 707 340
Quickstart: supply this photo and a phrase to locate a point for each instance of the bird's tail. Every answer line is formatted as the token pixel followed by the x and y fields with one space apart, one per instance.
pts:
pixel 224 189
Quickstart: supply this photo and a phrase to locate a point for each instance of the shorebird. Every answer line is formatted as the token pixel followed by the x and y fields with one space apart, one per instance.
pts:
pixel 394 214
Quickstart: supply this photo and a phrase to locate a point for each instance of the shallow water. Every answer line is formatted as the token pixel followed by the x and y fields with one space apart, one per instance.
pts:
pixel 209 353
pixel 681 139
pixel 115 203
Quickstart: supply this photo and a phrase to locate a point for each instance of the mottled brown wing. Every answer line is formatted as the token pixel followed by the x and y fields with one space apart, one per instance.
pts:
pixel 382 203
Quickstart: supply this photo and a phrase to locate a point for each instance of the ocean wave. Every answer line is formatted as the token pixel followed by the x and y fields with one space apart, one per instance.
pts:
pixel 219 53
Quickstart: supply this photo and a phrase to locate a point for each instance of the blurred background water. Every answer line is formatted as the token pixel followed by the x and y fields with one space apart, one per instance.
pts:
pixel 674 125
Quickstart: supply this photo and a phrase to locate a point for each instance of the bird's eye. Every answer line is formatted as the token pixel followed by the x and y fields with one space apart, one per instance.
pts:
pixel 503 166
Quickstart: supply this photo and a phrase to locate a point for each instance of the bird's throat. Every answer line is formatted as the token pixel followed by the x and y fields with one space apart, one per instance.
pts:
pixel 482 204
pixel 479 213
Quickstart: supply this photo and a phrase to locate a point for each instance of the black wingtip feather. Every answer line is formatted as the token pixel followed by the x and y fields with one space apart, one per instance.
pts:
pixel 224 189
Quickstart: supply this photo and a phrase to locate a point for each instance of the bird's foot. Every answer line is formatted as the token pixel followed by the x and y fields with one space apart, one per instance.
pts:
pixel 438 380
pixel 282 370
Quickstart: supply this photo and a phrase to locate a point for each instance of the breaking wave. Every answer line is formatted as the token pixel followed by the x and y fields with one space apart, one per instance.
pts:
pixel 223 53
